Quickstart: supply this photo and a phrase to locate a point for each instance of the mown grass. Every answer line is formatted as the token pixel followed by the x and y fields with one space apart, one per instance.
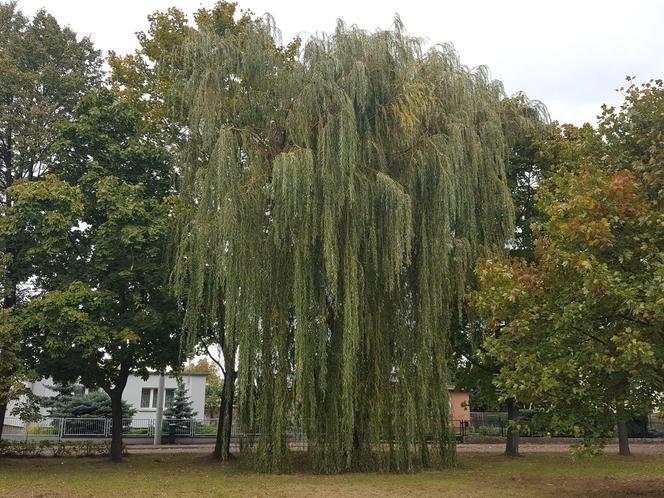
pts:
pixel 196 475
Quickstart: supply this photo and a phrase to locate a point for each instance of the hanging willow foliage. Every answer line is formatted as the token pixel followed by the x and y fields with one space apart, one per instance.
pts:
pixel 334 202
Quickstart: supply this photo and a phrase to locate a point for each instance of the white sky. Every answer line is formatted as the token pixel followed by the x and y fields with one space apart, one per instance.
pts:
pixel 571 55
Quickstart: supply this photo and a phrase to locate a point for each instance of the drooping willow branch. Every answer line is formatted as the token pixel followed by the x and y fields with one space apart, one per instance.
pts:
pixel 334 204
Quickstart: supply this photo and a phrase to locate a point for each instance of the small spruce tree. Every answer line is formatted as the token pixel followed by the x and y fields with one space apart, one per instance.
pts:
pixel 96 404
pixel 181 407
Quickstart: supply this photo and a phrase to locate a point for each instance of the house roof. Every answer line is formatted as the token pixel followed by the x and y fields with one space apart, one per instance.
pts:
pixel 183 374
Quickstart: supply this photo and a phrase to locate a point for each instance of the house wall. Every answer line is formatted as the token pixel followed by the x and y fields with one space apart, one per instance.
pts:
pixel 194 382
pixel 459 406
pixel 39 388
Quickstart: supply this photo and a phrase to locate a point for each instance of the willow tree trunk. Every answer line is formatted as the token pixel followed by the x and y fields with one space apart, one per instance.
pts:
pixel 623 435
pixel 222 447
pixel 512 441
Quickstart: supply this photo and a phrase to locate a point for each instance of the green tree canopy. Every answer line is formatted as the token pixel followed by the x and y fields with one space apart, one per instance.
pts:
pixel 105 311
pixel 333 204
pixel 146 77
pixel 44 69
pixel 526 128
pixel 580 329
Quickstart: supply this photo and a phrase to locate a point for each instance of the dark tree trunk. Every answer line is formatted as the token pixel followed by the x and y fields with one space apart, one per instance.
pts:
pixel 222 447
pixel 116 430
pixel 623 435
pixel 623 440
pixel 226 338
pixel 8 302
pixel 512 441
pixel 116 412
pixel 3 411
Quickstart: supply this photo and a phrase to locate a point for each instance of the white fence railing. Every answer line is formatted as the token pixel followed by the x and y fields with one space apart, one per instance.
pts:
pixel 49 428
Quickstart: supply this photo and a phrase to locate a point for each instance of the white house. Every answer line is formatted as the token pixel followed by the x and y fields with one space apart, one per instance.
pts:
pixel 142 394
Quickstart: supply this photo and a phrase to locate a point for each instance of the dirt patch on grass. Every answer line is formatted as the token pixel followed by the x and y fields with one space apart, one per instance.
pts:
pixel 597 487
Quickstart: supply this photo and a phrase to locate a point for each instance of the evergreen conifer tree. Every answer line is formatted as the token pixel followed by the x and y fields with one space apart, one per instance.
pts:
pixel 181 407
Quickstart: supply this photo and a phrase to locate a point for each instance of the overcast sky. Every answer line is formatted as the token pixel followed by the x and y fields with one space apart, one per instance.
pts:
pixel 571 55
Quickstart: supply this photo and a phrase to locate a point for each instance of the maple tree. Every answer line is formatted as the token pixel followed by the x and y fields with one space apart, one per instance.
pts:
pixel 581 328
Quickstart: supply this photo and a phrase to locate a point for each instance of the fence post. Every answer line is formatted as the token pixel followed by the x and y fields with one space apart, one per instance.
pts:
pixel 61 428
pixel 106 427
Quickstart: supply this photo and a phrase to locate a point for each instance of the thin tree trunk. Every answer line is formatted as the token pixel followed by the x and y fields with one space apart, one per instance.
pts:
pixel 10 284
pixel 116 412
pixel 222 447
pixel 3 411
pixel 623 435
pixel 512 441
pixel 220 427
pixel 229 398
pixel 8 302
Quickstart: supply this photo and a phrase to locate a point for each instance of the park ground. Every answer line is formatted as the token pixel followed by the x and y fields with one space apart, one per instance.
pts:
pixel 481 472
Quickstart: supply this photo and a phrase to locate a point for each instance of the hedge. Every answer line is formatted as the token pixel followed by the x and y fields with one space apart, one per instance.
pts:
pixel 81 448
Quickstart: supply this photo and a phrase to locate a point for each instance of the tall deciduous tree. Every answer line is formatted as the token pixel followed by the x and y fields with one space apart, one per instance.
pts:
pixel 333 205
pixel 44 69
pixel 526 127
pixel 146 77
pixel 106 312
pixel 582 327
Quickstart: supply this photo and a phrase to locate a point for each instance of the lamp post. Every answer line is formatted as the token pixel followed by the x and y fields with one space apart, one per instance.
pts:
pixel 159 416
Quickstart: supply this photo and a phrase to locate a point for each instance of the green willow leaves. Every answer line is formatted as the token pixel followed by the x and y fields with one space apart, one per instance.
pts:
pixel 333 203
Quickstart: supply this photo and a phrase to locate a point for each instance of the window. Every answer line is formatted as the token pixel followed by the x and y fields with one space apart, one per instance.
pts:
pixel 149 397
pixel 145 397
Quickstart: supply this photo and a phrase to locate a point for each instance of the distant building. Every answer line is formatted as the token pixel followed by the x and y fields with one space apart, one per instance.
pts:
pixel 459 405
pixel 141 394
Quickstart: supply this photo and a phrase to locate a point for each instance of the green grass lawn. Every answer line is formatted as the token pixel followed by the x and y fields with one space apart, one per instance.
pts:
pixel 196 475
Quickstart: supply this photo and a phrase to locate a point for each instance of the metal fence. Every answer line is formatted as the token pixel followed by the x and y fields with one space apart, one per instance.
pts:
pixel 496 424
pixel 479 424
pixel 60 428
pixel 487 423
pixel 90 428
pixel 656 422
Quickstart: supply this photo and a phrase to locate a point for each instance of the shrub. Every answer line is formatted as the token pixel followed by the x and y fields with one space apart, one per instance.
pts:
pixel 80 448
pixel 94 405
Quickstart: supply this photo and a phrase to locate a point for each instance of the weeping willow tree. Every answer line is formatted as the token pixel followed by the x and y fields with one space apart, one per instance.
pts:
pixel 334 198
